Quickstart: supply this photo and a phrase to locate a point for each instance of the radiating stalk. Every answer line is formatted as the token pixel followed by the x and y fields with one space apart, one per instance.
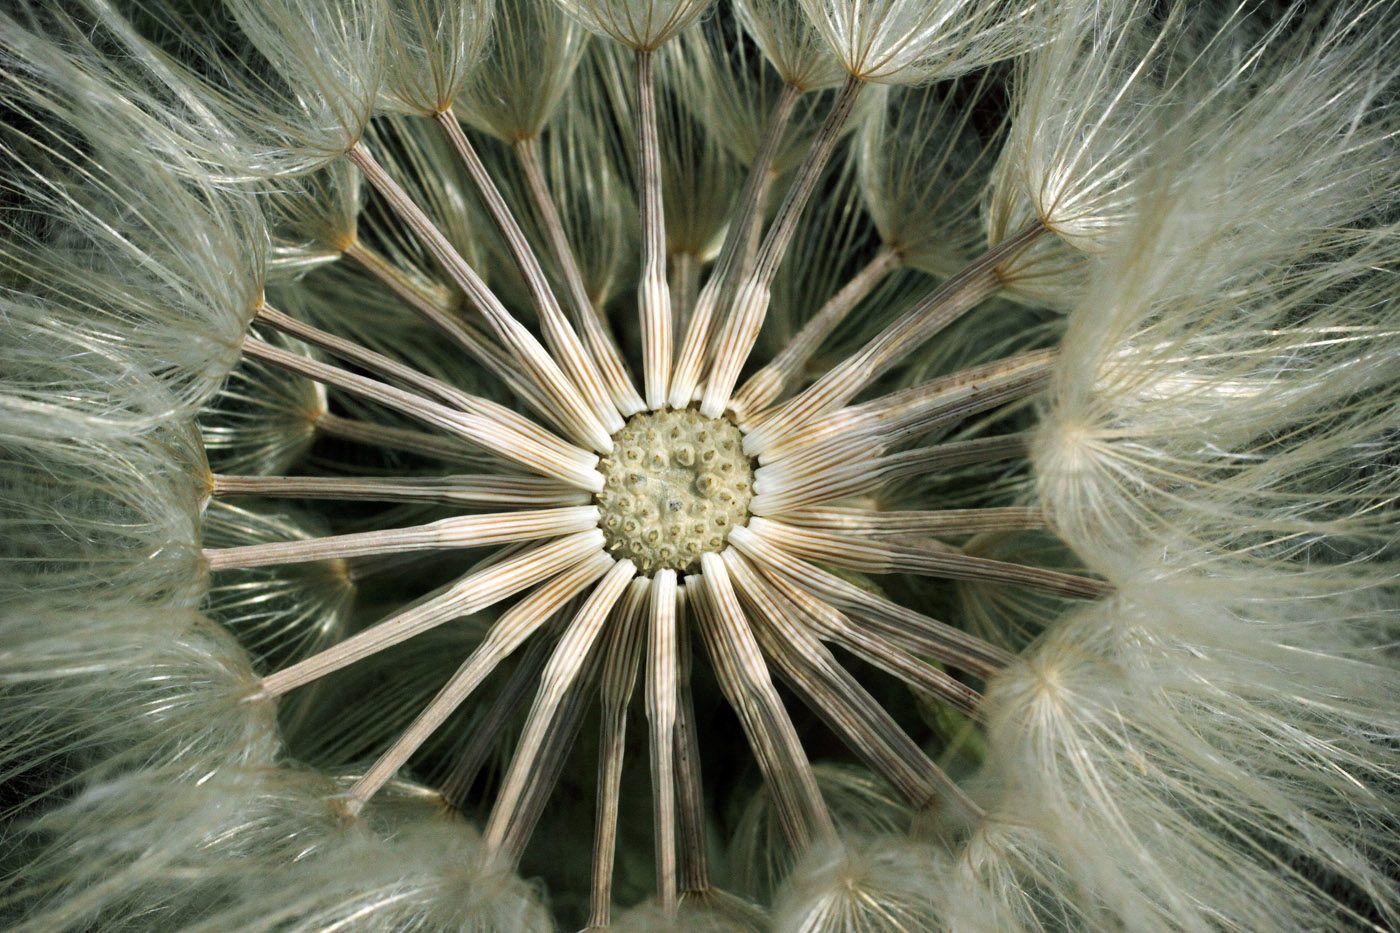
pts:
pixel 839 699
pixel 939 308
pixel 485 432
pixel 415 442
pixel 622 653
pixel 690 786
pixel 459 531
pixel 503 710
pixel 661 714
pixel 563 342
pixel 507 634
pixel 685 286
pixel 461 491
pixel 878 523
pixel 565 401
pixel 863 454
pixel 913 630
pixel 559 736
pixel 900 416
pixel 751 298
pixel 471 593
pixel 351 352
pixel 653 296
pixel 830 624
pixel 744 678
pixel 719 288
pixel 595 330
pixel 862 472
pixel 481 347
pixel 769 382
pixel 564 666
pixel 881 557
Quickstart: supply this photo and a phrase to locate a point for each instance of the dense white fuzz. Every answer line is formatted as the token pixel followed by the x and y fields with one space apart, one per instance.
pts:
pixel 912 41
pixel 91 695
pixel 713 912
pixel 861 805
pixel 743 86
pixel 791 43
pixel 641 25
pixel 329 53
pixel 84 517
pixel 882 886
pixel 524 72
pixel 433 50
pixel 1226 745
pixel 260 850
pixel 112 855
pixel 1086 119
pixel 288 91
pixel 313 219
pixel 130 288
pixel 1118 88
pixel 923 197
pixel 1287 379
pixel 428 875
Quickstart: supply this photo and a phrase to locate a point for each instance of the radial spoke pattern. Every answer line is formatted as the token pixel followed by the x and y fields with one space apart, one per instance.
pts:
pixel 763 588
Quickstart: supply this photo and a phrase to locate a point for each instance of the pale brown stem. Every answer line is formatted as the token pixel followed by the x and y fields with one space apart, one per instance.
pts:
pixel 483 431
pixel 861 472
pixel 751 298
pixel 563 669
pixel 461 491
pixel 653 297
pixel 566 404
pixel 685 284
pixel 460 531
pixel 414 442
pixel 744 678
pixel 877 523
pixel 560 337
pixel 939 308
pixel 880 557
pixel 769 382
pixel 510 630
pixel 352 352
pixel 621 655
pixel 719 288
pixel 595 330
pixel 912 630
pixel 690 786
pixel 836 696
pixel 481 347
pixel 505 707
pixel 661 699
pixel 471 593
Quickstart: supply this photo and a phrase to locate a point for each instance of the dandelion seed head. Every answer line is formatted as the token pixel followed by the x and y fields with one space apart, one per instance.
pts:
pixel 392 386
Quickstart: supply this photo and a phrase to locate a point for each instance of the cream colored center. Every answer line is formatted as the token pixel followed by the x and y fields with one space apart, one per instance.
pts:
pixel 675 485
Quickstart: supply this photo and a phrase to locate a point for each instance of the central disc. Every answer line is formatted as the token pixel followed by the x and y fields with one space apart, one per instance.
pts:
pixel 675 485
